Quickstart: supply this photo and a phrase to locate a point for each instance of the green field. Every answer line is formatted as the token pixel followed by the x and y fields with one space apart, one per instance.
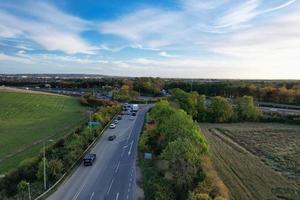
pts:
pixel 26 119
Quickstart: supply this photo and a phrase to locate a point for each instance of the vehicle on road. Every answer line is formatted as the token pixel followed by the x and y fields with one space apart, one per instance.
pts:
pixel 89 159
pixel 135 107
pixel 112 137
pixel 119 117
pixel 133 114
pixel 123 113
pixel 116 121
pixel 112 126
pixel 132 118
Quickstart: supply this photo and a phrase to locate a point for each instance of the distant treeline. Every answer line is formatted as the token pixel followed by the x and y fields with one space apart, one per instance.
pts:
pixel 286 92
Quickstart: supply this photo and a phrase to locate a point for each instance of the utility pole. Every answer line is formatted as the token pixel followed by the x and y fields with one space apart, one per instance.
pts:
pixel 45 181
pixel 90 122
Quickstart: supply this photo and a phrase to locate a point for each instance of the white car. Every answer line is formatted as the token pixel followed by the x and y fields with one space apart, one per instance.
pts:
pixel 116 121
pixel 131 117
pixel 112 126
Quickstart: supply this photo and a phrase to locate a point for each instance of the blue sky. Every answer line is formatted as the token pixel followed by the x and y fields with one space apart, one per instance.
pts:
pixel 168 38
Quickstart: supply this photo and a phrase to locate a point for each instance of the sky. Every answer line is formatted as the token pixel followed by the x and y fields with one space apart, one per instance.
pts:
pixel 239 39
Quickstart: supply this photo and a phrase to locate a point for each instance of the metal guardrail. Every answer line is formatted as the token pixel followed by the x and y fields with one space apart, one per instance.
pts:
pixel 69 171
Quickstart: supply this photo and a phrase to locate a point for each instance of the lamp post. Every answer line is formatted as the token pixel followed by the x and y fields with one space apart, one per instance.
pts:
pixel 44 160
pixel 29 192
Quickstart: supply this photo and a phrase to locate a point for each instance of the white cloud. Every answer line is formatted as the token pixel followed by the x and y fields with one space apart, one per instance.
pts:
pixel 165 54
pixel 247 11
pixel 4 57
pixel 46 26
pixel 239 14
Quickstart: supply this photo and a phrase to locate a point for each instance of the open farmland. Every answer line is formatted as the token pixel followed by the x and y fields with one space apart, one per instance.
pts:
pixel 256 160
pixel 26 119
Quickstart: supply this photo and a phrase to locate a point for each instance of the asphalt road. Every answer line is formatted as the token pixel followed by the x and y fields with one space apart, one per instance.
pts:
pixel 282 111
pixel 112 176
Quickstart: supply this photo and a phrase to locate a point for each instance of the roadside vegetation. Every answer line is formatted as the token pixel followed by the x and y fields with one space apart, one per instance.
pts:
pixel 180 164
pixel 125 93
pixel 60 155
pixel 27 119
pixel 215 109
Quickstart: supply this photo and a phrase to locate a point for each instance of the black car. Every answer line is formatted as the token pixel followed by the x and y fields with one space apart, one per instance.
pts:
pixel 133 114
pixel 119 117
pixel 89 159
pixel 112 137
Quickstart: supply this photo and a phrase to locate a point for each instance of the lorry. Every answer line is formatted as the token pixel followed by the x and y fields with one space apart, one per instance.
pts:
pixel 135 107
pixel 89 159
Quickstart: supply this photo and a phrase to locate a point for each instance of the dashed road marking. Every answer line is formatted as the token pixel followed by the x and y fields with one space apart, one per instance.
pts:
pixel 112 181
pixel 92 196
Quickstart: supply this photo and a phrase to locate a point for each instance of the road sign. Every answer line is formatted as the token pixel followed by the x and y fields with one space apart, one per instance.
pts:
pixel 94 124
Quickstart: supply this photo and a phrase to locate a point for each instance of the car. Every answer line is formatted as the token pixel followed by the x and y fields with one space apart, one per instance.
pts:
pixel 112 126
pixel 128 113
pixel 135 107
pixel 119 117
pixel 89 159
pixel 123 113
pixel 132 118
pixel 116 121
pixel 112 137
pixel 133 114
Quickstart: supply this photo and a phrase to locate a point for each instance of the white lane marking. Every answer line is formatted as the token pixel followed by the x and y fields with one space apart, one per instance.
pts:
pixel 117 167
pixel 77 194
pixel 129 152
pixel 92 196
pixel 127 196
pixel 123 151
pixel 117 197
pixel 131 129
pixel 110 186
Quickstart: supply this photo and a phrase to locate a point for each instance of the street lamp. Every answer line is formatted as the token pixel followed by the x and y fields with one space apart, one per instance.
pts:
pixel 29 193
pixel 44 159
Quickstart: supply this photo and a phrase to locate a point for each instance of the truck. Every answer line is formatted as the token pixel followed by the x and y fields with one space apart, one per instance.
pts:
pixel 89 159
pixel 135 107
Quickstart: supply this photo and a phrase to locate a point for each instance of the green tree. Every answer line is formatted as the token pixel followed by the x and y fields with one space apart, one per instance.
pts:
pixel 161 111
pixel 184 162
pixel 22 188
pixel 220 110
pixel 187 101
pixel 40 172
pixel 180 125
pixel 56 168
pixel 201 108
pixel 246 109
